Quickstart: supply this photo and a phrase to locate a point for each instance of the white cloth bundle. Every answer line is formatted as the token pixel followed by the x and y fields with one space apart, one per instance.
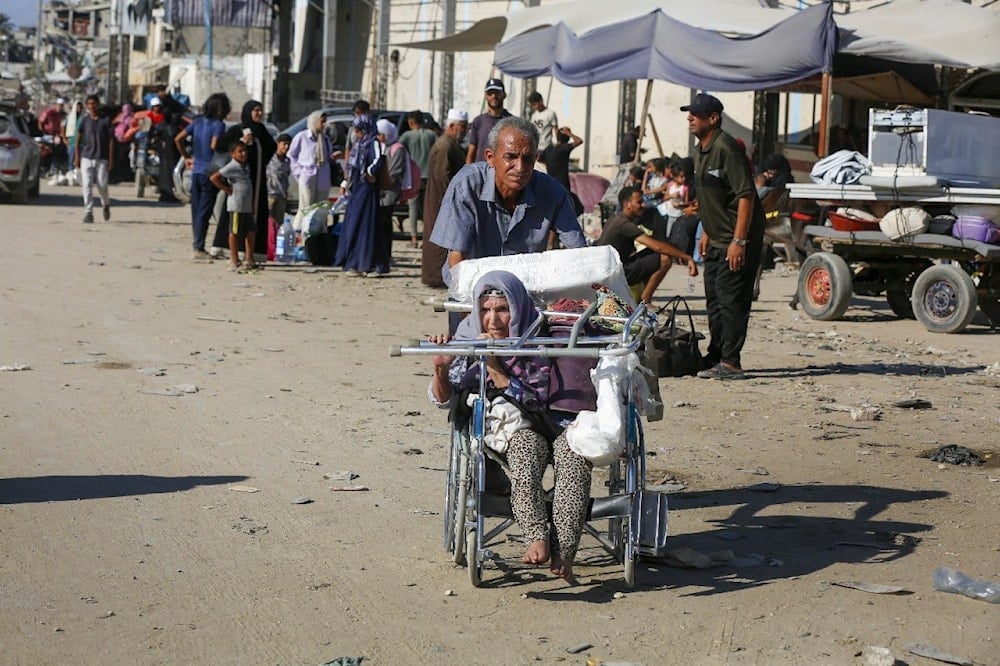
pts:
pixel 548 276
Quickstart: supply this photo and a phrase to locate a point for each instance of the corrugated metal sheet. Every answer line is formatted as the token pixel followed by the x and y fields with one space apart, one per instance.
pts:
pixel 232 13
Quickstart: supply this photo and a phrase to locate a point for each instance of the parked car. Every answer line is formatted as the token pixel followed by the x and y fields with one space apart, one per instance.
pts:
pixel 344 115
pixel 19 156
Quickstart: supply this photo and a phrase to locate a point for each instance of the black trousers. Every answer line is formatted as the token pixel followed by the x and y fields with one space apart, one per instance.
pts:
pixel 728 296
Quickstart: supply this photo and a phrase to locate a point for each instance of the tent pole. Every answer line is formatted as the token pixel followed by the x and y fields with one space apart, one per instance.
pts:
pixel 656 137
pixel 586 128
pixel 642 120
pixel 824 116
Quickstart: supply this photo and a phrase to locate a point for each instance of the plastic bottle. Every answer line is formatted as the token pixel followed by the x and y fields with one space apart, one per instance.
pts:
pixel 690 285
pixel 947 579
pixel 284 249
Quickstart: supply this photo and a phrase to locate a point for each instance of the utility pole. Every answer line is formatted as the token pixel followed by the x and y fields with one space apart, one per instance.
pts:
pixel 329 45
pixel 283 62
pixel 529 84
pixel 446 98
pixel 382 57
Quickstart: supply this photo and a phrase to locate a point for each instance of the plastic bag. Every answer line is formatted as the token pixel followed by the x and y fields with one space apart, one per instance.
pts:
pixel 599 436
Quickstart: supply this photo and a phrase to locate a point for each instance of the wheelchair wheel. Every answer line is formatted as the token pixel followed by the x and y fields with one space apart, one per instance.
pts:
pixel 450 494
pixel 459 537
pixel 475 563
pixel 629 555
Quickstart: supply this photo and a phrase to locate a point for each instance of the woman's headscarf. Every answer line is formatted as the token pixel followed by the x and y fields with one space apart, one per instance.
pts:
pixel 264 139
pixel 523 312
pixel 389 129
pixel 362 146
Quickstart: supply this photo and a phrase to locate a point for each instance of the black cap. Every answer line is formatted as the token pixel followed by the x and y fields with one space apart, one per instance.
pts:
pixel 495 84
pixel 704 103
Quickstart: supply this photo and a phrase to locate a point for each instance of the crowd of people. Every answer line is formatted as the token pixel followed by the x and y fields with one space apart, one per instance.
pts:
pixel 476 188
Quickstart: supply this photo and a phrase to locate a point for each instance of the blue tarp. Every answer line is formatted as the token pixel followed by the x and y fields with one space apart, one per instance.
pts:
pixel 656 46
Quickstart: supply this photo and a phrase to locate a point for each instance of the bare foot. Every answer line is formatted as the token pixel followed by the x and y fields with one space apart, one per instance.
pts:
pixel 537 553
pixel 563 569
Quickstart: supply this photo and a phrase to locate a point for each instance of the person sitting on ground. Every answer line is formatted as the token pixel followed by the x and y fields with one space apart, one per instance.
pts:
pixel 234 180
pixel 655 182
pixel 648 266
pixel 502 309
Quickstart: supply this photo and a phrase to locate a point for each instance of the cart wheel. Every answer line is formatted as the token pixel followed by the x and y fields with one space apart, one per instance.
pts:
pixel 990 307
pixel 825 286
pixel 898 296
pixel 944 299
pixel 475 565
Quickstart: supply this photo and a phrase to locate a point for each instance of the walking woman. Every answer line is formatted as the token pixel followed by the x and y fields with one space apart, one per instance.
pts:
pixel 359 248
pixel 260 147
pixel 206 134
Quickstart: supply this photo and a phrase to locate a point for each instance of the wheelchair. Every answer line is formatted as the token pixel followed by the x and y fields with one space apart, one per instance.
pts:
pixel 475 515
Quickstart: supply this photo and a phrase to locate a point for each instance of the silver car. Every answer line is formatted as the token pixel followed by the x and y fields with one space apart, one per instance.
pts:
pixel 19 157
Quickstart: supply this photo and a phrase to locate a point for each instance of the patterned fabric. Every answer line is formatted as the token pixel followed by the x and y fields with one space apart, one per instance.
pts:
pixel 527 455
pixel 611 304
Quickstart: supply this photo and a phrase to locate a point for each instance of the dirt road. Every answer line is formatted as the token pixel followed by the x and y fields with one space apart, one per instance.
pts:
pixel 128 537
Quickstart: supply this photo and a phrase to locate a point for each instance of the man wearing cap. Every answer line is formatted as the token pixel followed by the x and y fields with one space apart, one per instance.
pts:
pixel 51 122
pixel 503 205
pixel 484 123
pixel 731 244
pixel 445 160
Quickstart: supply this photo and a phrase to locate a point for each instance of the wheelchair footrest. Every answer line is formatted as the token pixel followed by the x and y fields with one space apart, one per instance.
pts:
pixel 616 506
pixel 652 524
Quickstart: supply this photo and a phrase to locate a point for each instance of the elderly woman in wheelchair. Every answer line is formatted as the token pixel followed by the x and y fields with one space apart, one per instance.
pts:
pixel 518 388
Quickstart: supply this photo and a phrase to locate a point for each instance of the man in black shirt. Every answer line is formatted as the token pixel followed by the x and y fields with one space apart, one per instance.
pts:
pixel 93 152
pixel 648 266
pixel 557 156
pixel 733 221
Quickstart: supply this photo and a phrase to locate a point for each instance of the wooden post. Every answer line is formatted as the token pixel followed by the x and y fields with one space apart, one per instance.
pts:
pixel 642 120
pixel 656 137
pixel 824 116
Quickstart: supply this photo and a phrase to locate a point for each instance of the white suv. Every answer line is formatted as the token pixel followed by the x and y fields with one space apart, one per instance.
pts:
pixel 19 156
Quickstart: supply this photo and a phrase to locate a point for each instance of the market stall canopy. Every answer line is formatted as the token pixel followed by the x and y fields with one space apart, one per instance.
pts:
pixel 942 32
pixel 657 46
pixel 580 16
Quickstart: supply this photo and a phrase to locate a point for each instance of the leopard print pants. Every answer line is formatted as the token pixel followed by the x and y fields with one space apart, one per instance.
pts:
pixel 528 453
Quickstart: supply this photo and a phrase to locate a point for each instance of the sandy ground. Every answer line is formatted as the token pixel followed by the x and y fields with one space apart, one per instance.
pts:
pixel 125 540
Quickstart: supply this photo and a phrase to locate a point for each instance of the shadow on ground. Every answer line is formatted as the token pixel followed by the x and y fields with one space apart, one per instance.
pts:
pixel 770 535
pixel 64 488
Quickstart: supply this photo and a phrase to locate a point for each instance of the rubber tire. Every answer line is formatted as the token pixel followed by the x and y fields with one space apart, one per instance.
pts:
pixel 825 286
pixel 944 299
pixel 475 566
pixel 990 307
pixel 629 555
pixel 19 194
pixel 899 302
pixel 34 191
pixel 461 499
pixel 140 183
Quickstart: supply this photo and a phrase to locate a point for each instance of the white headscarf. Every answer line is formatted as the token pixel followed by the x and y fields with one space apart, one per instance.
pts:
pixel 389 129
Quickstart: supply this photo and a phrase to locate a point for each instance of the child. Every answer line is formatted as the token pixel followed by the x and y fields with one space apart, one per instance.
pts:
pixel 676 198
pixel 234 180
pixel 278 171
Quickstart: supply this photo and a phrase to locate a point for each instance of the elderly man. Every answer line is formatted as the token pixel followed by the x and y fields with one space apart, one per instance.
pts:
pixel 502 205
pixel 444 161
pixel 484 123
pixel 733 220
pixel 309 158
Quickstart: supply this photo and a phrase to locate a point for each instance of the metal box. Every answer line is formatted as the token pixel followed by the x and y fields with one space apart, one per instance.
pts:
pixel 960 148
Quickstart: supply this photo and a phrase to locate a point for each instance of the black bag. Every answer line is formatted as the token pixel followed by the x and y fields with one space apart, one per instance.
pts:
pixel 675 349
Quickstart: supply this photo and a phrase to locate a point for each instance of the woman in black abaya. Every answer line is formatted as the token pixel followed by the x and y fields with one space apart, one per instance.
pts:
pixel 261 148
